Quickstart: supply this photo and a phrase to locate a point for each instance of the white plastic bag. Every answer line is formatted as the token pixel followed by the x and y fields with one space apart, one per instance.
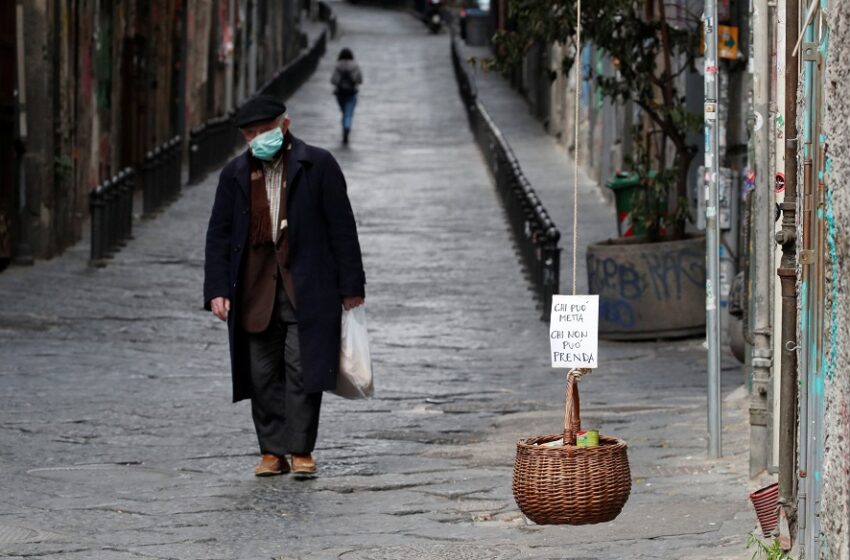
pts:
pixel 355 361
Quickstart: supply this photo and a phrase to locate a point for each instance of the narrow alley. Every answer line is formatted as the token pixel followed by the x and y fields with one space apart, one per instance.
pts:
pixel 118 440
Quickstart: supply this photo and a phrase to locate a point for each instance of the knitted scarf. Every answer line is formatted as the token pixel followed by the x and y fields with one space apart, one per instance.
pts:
pixel 261 222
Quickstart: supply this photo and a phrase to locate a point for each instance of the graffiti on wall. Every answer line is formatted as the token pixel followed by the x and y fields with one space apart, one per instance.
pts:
pixel 627 281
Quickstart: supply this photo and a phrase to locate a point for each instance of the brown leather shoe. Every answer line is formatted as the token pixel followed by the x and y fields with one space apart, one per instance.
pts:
pixel 303 464
pixel 271 465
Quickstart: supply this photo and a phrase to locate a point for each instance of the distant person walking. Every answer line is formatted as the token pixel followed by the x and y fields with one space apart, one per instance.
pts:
pixel 346 79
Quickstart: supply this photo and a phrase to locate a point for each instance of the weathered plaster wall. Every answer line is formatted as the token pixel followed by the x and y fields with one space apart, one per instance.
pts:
pixel 102 81
pixel 39 160
pixel 835 509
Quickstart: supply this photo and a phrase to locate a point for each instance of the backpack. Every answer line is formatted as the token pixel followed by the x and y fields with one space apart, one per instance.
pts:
pixel 346 85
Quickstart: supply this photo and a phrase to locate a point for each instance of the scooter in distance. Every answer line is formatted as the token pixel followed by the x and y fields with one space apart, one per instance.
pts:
pixel 434 16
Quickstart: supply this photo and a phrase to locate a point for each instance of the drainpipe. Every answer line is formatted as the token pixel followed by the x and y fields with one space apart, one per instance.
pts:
pixel 182 86
pixel 23 251
pixel 228 68
pixel 252 48
pixel 712 231
pixel 811 264
pixel 787 273
pixel 242 71
pixel 761 259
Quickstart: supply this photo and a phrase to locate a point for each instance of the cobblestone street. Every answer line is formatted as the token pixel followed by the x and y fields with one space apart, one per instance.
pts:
pixel 118 440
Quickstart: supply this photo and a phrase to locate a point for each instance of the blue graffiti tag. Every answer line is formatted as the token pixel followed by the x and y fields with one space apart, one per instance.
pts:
pixel 608 274
pixel 670 271
pixel 617 311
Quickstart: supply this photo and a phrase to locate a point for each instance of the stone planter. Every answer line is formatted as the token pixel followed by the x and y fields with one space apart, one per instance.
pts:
pixel 648 290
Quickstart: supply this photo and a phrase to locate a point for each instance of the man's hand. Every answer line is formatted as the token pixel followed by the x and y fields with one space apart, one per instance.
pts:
pixel 220 307
pixel 350 303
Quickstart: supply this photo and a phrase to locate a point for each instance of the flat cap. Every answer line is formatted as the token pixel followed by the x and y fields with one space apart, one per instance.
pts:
pixel 258 109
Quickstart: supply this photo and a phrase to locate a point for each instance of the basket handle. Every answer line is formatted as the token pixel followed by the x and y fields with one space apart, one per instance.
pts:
pixel 572 416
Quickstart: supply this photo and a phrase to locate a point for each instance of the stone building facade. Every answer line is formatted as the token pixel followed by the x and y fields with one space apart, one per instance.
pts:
pixel 106 82
pixel 835 504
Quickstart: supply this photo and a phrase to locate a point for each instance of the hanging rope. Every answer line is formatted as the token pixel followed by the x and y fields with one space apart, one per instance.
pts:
pixel 577 373
pixel 575 162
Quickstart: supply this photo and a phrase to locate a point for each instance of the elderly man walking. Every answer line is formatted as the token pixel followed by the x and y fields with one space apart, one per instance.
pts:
pixel 282 261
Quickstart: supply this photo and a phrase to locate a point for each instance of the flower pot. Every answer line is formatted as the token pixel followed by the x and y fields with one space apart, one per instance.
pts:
pixel 648 290
pixel 766 502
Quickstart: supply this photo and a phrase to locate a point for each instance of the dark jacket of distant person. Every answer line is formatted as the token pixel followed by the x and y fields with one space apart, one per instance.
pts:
pixel 347 77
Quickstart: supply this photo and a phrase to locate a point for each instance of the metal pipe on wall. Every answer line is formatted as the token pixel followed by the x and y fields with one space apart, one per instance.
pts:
pixel 803 395
pixel 23 250
pixel 182 86
pixel 242 80
pixel 228 68
pixel 778 153
pixel 761 260
pixel 812 289
pixel 252 48
pixel 787 273
pixel 712 231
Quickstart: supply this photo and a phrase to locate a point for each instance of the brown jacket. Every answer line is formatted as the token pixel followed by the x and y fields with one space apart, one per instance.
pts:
pixel 266 262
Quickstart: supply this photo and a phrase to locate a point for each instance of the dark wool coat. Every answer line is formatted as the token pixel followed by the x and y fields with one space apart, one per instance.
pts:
pixel 325 259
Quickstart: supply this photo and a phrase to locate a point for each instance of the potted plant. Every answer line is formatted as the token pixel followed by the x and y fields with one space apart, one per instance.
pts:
pixel 639 280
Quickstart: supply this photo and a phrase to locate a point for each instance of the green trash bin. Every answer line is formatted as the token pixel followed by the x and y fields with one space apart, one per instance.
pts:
pixel 624 186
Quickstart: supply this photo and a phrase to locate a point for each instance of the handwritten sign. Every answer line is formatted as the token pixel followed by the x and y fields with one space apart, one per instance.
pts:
pixel 574 331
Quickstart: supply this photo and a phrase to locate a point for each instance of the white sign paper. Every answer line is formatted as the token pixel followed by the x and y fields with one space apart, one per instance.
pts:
pixel 574 331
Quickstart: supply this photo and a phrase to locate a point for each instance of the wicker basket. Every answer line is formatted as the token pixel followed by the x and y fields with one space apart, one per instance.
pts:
pixel 571 485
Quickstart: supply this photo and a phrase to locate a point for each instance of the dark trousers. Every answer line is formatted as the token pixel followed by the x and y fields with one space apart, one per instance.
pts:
pixel 285 416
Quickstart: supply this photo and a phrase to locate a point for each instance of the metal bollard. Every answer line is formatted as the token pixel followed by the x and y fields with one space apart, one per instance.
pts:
pixel 193 149
pixel 223 145
pixel 212 148
pixel 172 163
pixel 178 165
pixel 168 172
pixel 158 176
pixel 214 144
pixel 119 208
pixel 108 219
pixel 203 151
pixel 121 229
pixel 166 175
pixel 168 184
pixel 148 205
pixel 222 141
pixel 115 214
pixel 551 281
pixel 178 171
pixel 194 155
pixel 96 207
pixel 130 187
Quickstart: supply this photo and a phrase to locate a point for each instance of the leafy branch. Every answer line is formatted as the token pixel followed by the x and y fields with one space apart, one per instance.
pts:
pixel 649 55
pixel 764 551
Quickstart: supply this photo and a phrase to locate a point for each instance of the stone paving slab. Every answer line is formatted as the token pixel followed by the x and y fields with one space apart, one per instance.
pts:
pixel 118 441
